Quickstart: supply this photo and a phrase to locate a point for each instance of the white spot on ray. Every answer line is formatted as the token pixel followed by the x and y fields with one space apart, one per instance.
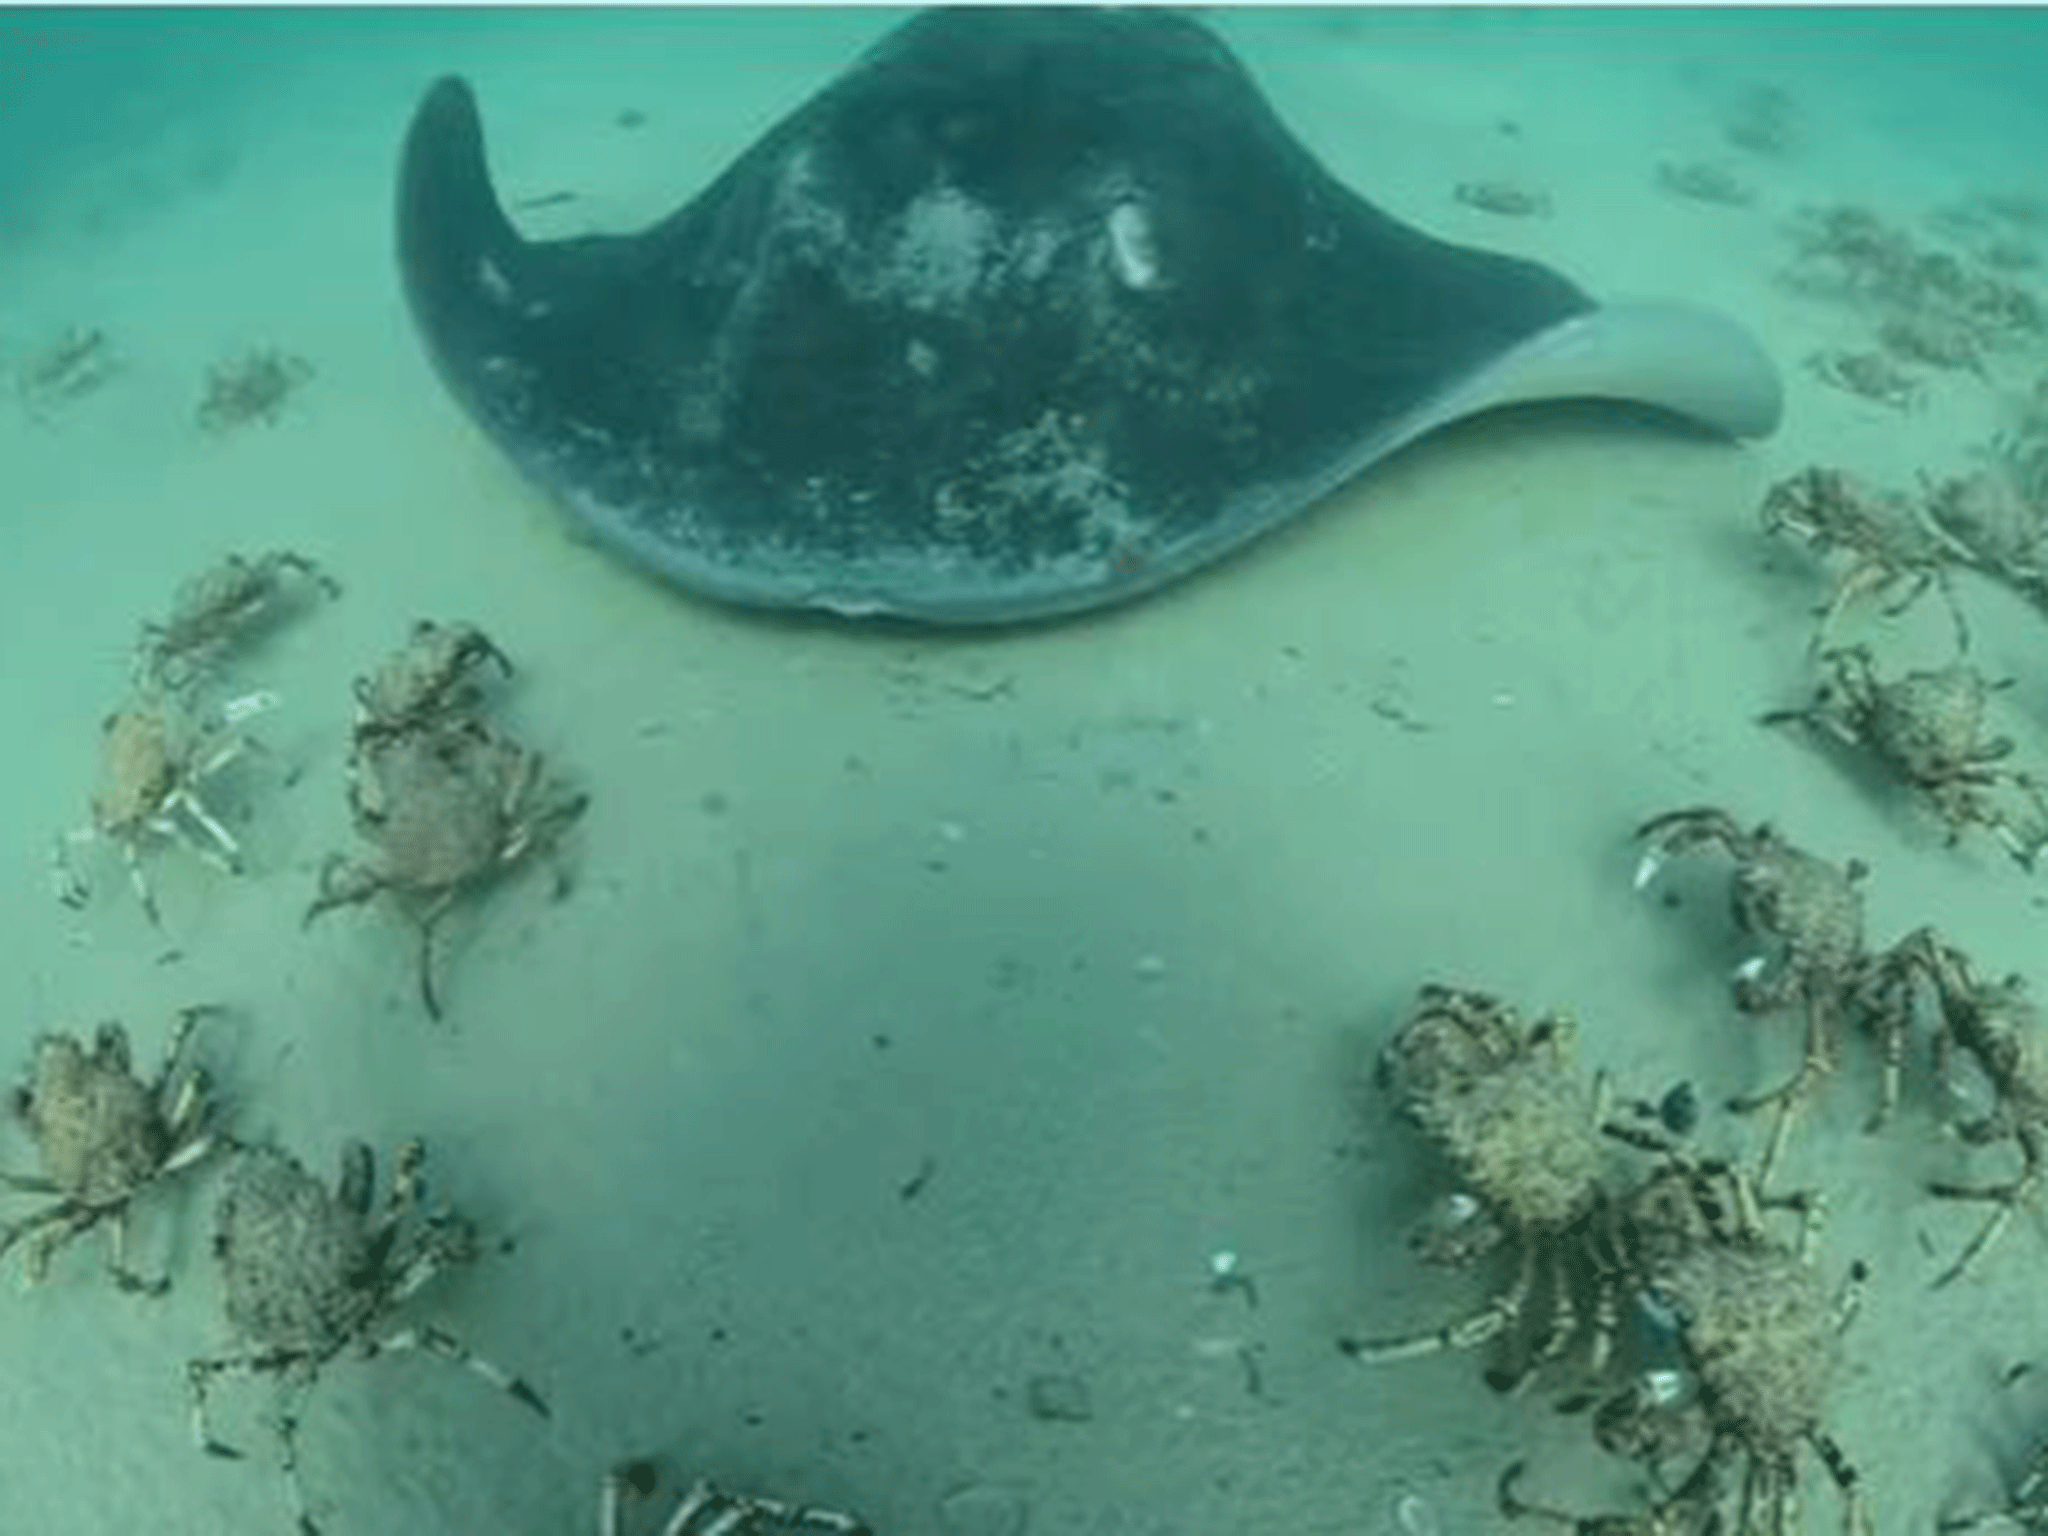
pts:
pixel 1134 246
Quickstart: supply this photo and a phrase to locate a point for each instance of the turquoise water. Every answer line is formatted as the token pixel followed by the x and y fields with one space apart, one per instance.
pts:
pixel 917 1020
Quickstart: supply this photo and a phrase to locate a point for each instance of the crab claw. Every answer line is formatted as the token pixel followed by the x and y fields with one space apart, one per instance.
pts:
pixel 1648 867
pixel 249 705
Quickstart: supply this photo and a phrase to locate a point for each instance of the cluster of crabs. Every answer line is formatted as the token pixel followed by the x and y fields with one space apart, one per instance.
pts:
pixel 1646 1286
pixel 1929 728
pixel 1668 1294
pixel 162 746
pixel 250 388
pixel 1947 304
pixel 310 1271
pixel 446 802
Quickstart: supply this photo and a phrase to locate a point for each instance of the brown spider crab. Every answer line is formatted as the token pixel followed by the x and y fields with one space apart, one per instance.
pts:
pixel 311 1274
pixel 1884 1000
pixel 1762 119
pixel 103 1137
pixel 1806 912
pixel 449 809
pixel 706 1510
pixel 79 363
pixel 1888 543
pixel 1757 1339
pixel 1997 1025
pixel 253 387
pixel 430 680
pixel 222 607
pixel 156 756
pixel 1522 1130
pixel 1705 181
pixel 1936 343
pixel 1930 728
pixel 1986 522
pixel 1848 251
pixel 1869 376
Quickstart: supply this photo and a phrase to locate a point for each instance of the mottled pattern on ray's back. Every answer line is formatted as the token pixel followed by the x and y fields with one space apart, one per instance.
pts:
pixel 1025 312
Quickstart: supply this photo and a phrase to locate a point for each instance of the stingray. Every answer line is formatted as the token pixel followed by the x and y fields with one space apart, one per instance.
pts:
pixel 1027 312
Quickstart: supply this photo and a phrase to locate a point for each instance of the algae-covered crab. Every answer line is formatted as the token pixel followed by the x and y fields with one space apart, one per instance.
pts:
pixel 447 810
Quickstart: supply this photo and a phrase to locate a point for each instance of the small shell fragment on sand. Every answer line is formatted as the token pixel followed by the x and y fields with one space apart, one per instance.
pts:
pixel 1414 1516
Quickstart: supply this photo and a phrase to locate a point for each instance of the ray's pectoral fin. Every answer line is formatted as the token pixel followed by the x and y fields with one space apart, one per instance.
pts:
pixel 1682 360
pixel 458 253
pixel 518 329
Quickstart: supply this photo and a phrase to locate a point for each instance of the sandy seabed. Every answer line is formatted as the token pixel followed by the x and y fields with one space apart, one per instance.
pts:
pixel 928 1010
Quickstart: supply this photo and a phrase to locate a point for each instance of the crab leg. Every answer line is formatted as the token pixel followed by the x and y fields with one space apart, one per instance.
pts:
pixel 736 1513
pixel 1470 1332
pixel 611 1494
pixel 66 882
pixel 176 1101
pixel 453 1242
pixel 430 920
pixel 1791 1095
pixel 59 1228
pixel 66 1217
pixel 199 1374
pixel 131 851
pixel 445 1346
pixel 127 1279
pixel 2008 1198
pixel 224 853
pixel 288 1464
